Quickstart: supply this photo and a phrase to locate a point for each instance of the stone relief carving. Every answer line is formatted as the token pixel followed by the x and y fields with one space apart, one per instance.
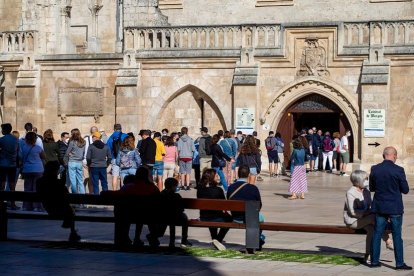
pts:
pixel 304 83
pixel 82 101
pixel 313 60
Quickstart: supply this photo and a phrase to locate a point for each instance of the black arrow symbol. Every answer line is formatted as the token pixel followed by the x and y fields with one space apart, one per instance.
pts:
pixel 376 144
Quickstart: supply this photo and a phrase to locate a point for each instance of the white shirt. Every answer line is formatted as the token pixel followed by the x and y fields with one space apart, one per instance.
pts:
pixel 344 144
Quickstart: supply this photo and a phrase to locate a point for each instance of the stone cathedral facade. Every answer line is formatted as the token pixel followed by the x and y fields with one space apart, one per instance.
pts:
pixel 247 64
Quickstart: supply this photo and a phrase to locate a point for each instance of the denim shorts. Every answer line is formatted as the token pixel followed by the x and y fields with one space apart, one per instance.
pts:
pixel 185 166
pixel 253 171
pixel 158 169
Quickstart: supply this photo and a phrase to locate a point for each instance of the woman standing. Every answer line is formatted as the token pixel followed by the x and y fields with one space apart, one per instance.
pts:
pixel 50 147
pixel 170 158
pixel 298 182
pixel 32 157
pixel 128 158
pixel 73 158
pixel 219 159
pixel 209 189
pixel 357 210
pixel 250 156
pixel 230 149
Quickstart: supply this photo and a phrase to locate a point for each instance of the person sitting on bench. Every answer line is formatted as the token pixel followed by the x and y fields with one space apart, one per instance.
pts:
pixel 209 189
pixel 242 190
pixel 174 213
pixel 357 210
pixel 55 199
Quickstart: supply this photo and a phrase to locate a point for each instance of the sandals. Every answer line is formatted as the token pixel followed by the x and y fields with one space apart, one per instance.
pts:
pixel 293 197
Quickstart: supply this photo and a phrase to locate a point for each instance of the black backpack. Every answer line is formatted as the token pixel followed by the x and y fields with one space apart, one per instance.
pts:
pixel 116 144
pixel 207 143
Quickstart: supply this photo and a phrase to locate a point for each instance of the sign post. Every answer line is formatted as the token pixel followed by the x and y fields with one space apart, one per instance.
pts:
pixel 245 120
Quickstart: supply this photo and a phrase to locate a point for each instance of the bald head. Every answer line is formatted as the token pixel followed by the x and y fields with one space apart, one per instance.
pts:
pixel 390 153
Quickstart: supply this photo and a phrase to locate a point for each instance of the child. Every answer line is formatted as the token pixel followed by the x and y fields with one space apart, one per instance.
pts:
pixel 174 213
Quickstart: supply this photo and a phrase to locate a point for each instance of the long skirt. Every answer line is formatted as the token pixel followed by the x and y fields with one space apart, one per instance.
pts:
pixel 298 182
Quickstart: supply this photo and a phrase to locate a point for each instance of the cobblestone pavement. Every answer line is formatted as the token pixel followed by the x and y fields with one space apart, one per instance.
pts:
pixel 24 254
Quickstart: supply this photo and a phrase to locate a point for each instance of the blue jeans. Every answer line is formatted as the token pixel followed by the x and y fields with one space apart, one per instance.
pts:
pixel 96 175
pixel 380 224
pixel 223 181
pixel 75 171
pixel 125 172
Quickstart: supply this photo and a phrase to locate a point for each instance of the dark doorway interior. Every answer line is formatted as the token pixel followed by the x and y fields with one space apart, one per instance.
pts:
pixel 324 121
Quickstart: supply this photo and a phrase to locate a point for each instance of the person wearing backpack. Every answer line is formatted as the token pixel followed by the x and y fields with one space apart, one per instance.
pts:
pixel 271 147
pixel 280 146
pixel 328 146
pixel 128 158
pixel 204 149
pixel 114 143
pixel 98 159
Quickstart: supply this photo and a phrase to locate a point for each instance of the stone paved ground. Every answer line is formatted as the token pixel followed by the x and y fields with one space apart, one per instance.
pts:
pixel 323 205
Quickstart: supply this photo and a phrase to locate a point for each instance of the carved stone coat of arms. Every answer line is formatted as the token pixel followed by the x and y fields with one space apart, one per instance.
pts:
pixel 313 59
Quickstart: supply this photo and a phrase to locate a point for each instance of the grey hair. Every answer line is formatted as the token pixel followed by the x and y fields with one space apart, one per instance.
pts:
pixel 358 177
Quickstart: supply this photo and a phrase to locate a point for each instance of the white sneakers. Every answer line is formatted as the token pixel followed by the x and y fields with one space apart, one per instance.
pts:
pixel 218 245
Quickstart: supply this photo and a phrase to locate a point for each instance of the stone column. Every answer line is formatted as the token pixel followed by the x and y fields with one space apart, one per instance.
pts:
pixel 65 14
pixel 94 43
pixel 27 94
pixel 375 94
pixel 244 86
pixel 128 111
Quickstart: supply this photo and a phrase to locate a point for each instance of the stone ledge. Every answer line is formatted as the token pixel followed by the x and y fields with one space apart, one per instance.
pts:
pixel 375 73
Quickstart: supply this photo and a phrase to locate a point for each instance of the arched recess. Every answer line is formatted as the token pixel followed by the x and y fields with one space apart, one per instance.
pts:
pixel 201 98
pixel 300 88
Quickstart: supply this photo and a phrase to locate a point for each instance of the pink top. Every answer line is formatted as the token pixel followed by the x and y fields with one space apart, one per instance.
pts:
pixel 171 153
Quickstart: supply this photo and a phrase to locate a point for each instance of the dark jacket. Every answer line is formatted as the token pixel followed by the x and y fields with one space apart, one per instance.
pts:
pixel 217 154
pixel 147 151
pixel 388 181
pixel 52 152
pixel 98 155
pixel 173 203
pixel 248 192
pixel 250 160
pixel 210 193
pixel 62 150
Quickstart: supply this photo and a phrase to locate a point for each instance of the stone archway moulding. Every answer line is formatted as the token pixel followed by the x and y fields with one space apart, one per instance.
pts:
pixel 312 85
pixel 198 93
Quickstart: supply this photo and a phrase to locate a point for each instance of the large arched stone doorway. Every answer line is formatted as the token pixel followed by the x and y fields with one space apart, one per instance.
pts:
pixel 193 108
pixel 315 97
pixel 310 111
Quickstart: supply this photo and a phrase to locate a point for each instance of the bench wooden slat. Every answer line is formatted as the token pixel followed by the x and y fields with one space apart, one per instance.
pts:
pixel 44 216
pixel 311 228
pixel 212 204
pixel 233 225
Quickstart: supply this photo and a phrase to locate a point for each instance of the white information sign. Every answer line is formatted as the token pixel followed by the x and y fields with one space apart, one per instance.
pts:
pixel 374 122
pixel 245 120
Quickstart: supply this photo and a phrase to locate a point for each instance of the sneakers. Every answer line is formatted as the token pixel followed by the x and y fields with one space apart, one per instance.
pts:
pixel 218 245
pixel 74 237
pixel 186 244
pixel 343 174
pixel 259 178
pixel 404 267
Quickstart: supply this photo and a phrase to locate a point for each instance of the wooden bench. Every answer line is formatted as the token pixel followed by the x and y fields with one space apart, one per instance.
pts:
pixel 251 209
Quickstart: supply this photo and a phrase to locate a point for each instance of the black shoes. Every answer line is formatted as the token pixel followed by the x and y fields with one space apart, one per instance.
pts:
pixel 404 267
pixel 375 265
pixel 74 237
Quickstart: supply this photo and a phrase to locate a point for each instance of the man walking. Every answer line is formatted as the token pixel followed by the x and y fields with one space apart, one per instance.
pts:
pixel 389 182
pixel 344 153
pixel 271 147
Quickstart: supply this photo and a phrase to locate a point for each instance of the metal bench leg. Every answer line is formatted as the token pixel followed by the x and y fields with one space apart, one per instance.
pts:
pixel 252 224
pixel 3 221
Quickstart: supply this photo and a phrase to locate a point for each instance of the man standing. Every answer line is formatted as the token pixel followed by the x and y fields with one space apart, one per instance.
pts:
pixel 204 149
pixel 114 144
pixel 186 149
pixel 98 159
pixel 271 147
pixel 147 150
pixel 389 182
pixel 86 170
pixel 344 153
pixel 28 127
pixel 8 159
pixel 63 146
